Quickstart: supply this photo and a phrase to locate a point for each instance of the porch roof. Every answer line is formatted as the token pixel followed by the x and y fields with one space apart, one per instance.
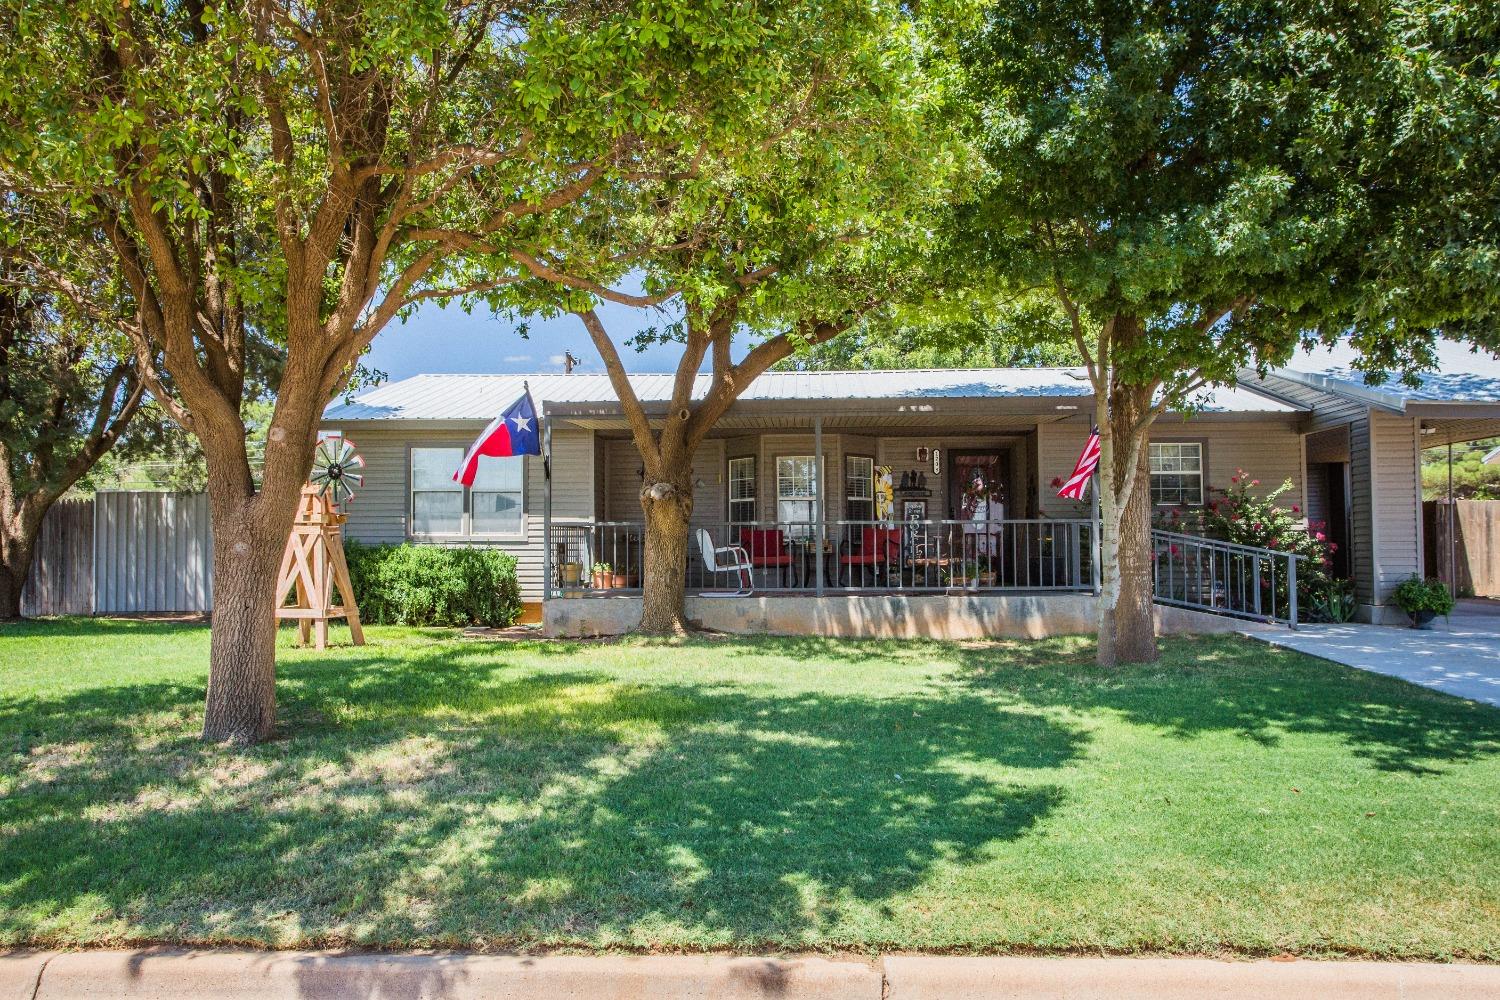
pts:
pixel 1050 391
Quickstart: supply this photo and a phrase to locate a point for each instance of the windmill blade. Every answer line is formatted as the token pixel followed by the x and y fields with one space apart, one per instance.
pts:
pixel 353 479
pixel 354 461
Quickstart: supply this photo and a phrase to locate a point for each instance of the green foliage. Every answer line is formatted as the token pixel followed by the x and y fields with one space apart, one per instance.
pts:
pixel 1415 594
pixel 1472 479
pixel 434 585
pixel 909 339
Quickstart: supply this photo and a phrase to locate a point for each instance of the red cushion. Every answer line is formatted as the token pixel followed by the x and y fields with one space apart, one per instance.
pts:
pixel 766 546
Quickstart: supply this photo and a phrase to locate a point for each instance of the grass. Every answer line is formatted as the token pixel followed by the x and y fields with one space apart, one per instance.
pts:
pixel 784 794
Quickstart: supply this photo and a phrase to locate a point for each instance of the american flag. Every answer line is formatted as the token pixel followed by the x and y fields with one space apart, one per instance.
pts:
pixel 1078 482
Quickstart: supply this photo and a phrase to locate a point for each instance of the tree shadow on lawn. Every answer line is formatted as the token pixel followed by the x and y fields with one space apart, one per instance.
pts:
pixel 1216 684
pixel 448 797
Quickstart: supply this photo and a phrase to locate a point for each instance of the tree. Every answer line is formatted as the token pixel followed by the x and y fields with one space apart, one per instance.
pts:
pixel 309 171
pixel 810 223
pixel 997 335
pixel 1203 187
pixel 67 393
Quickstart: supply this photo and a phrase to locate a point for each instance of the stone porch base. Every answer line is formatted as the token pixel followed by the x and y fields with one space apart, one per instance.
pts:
pixel 875 616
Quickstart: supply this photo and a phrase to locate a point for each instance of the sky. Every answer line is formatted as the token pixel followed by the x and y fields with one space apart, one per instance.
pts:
pixel 440 340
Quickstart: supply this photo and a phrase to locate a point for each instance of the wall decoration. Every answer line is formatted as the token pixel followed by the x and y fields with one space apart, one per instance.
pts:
pixel 885 494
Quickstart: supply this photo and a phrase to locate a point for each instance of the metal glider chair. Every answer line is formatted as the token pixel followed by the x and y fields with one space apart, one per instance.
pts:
pixel 723 559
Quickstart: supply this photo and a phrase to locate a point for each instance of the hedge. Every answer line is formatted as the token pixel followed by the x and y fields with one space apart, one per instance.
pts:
pixel 433 585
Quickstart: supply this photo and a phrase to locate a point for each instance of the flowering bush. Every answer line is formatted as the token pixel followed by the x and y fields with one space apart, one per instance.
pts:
pixel 1239 516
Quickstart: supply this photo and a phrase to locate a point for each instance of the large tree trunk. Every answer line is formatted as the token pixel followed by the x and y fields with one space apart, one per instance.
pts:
pixel 1126 616
pixel 668 506
pixel 1134 626
pixel 13 569
pixel 17 548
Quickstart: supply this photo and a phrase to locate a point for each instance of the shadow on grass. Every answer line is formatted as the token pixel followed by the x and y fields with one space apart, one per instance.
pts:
pixel 1212 684
pixel 447 794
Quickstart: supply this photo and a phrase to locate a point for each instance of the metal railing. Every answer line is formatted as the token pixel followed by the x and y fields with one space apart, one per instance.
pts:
pixel 1224 578
pixel 842 556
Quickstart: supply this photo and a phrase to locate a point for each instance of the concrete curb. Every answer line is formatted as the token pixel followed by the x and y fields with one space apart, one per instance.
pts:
pixel 20 971
pixel 172 974
pixel 161 974
pixel 938 978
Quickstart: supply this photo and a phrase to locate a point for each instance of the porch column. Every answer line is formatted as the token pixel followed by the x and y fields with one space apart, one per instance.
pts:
pixel 818 502
pixel 546 509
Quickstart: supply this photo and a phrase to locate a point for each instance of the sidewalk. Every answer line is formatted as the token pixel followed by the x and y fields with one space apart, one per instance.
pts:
pixel 168 974
pixel 1461 656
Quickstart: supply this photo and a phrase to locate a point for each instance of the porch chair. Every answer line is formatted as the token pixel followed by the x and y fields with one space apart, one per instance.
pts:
pixel 723 558
pixel 879 550
pixel 767 547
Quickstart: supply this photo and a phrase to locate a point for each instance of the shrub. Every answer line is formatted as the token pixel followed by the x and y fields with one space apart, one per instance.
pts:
pixel 1415 594
pixel 433 585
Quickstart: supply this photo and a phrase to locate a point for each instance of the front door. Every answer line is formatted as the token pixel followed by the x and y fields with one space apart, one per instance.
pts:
pixel 978 485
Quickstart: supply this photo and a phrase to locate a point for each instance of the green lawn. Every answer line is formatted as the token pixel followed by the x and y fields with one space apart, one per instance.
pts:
pixel 789 794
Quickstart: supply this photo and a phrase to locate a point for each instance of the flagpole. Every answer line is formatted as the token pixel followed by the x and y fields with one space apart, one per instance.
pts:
pixel 546 498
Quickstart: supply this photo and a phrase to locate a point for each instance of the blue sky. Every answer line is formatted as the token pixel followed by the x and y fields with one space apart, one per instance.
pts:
pixel 444 340
pixel 439 339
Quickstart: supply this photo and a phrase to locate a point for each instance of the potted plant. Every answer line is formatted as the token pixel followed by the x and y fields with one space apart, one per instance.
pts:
pixel 1423 600
pixel 601 578
pixel 572 573
pixel 620 579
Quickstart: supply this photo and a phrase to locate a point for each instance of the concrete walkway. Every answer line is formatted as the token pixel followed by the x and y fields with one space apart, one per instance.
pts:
pixel 165 974
pixel 1461 656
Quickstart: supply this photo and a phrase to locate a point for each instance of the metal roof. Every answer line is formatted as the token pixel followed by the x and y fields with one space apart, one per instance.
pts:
pixel 480 397
pixel 1431 387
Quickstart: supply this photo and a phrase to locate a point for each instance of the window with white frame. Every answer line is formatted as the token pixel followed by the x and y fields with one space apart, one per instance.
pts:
pixel 495 497
pixel 440 506
pixel 859 488
pixel 742 489
pixel 796 493
pixel 1176 473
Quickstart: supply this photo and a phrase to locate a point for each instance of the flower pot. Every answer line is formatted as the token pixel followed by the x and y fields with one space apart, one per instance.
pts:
pixel 619 581
pixel 600 581
pixel 1422 619
pixel 572 574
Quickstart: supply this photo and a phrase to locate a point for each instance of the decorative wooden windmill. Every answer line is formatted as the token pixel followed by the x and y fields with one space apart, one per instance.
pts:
pixel 313 566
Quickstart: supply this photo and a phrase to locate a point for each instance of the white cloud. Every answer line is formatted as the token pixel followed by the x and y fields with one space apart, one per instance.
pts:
pixel 556 359
pixel 514 359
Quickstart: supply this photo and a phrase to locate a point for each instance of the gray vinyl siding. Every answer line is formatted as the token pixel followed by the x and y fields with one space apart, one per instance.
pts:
pixel 1267 450
pixel 381 509
pixel 621 485
pixel 1396 496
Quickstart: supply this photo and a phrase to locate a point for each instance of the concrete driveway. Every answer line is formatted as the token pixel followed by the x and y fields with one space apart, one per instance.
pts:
pixel 1461 656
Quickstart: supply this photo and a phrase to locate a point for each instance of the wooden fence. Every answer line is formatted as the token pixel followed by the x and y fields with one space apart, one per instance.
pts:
pixel 1475 559
pixel 123 553
pixel 61 581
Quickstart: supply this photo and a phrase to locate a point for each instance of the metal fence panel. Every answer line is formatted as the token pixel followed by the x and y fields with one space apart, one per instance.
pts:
pixel 152 553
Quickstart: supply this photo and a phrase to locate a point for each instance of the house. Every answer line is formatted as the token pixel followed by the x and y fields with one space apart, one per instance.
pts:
pixel 935 513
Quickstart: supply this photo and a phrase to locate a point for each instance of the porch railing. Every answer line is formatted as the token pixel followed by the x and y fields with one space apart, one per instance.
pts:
pixel 1225 578
pixel 842 556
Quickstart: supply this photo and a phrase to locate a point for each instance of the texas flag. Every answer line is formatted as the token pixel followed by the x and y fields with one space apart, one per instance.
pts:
pixel 514 432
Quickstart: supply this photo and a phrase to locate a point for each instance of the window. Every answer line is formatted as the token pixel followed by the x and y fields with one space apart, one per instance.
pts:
pixel 796 493
pixel 438 507
pixel 1176 474
pixel 495 498
pixel 437 502
pixel 859 488
pixel 742 490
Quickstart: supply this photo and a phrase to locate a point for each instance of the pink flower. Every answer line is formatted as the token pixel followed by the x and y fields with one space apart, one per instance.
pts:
pixel 1332 547
pixel 1255 482
pixel 1272 544
pixel 1173 548
pixel 1296 509
pixel 1234 479
pixel 1257 526
pixel 1320 536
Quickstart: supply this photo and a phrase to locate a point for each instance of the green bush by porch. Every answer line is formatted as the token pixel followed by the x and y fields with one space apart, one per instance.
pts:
pixel 434 585
pixel 754 794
